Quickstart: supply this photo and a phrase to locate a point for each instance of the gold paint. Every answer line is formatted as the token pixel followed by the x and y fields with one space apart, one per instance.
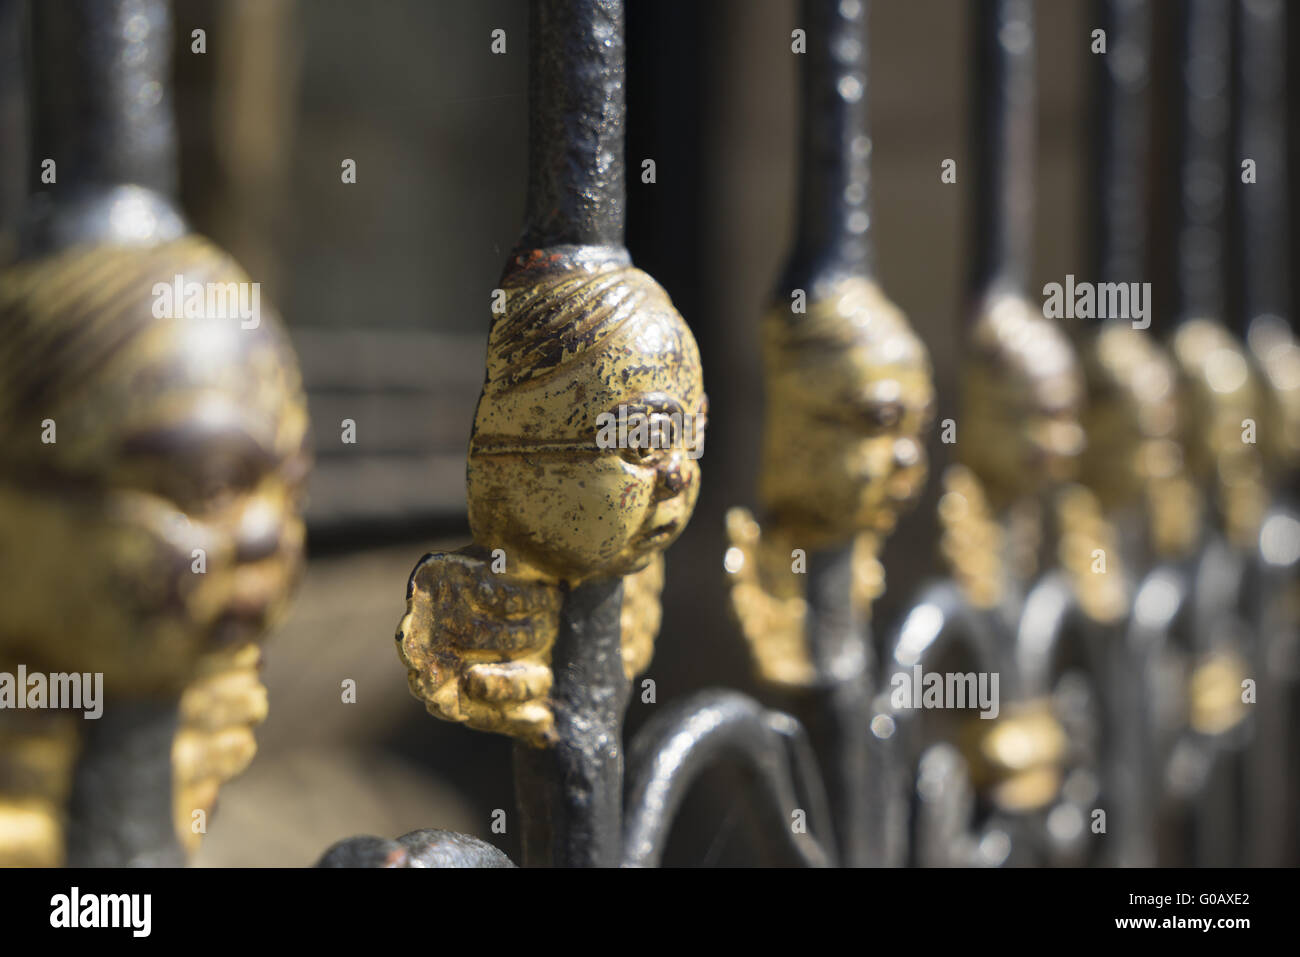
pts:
pixel 215 742
pixel 583 333
pixel 641 615
pixel 173 434
pixel 1134 457
pixel 37 752
pixel 769 604
pixel 1084 530
pixel 1219 392
pixel 1017 758
pixel 1215 695
pixel 1022 391
pixel 971 541
pixel 849 396
pixel 1277 356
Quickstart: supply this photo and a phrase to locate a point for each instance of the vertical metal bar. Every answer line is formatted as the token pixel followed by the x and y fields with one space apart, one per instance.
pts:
pixel 1259 251
pixel 570 794
pixel 576 190
pixel 1121 80
pixel 1261 113
pixel 1118 172
pixel 1003 144
pixel 101 109
pixel 120 812
pixel 1204 30
pixel 833 242
pixel 833 234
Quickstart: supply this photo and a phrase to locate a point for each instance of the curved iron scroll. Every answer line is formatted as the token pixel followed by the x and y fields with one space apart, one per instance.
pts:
pixel 687 737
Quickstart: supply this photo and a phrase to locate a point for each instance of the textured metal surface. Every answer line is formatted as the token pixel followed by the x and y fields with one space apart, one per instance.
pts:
pixel 576 191
pixel 120 810
pixel 1205 36
pixel 570 793
pixel 1261 117
pixel 179 436
pixel 101 109
pixel 688 737
pixel 430 847
pixel 1003 145
pixel 833 237
pixel 1118 172
pixel 849 397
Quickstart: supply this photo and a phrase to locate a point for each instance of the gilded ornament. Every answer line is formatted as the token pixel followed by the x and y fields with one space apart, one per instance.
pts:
pixel 583 337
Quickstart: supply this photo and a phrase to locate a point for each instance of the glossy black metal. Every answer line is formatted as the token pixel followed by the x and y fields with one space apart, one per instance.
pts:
pixel 833 236
pixel 101 110
pixel 1003 148
pixel 570 794
pixel 576 190
pixel 1204 35
pixel 837 714
pixel 1121 85
pixel 431 847
pixel 1260 114
pixel 120 811
pixel 692 735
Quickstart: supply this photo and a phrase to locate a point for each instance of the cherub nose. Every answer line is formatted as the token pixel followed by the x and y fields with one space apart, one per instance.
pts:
pixel 259 531
pixel 671 479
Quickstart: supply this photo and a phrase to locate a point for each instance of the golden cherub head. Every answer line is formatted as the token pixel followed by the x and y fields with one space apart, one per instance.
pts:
pixel 1022 394
pixel 584 339
pixel 1131 421
pixel 850 394
pixel 149 494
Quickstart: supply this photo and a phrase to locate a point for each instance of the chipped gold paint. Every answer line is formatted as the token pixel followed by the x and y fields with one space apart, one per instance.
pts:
pixel 640 616
pixel 850 394
pixel 583 333
pixel 172 435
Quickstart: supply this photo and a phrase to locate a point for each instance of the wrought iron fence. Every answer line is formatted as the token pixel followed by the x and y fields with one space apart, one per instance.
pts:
pixel 1106 675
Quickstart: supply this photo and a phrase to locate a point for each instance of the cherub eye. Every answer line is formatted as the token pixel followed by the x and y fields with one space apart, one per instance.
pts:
pixel 883 415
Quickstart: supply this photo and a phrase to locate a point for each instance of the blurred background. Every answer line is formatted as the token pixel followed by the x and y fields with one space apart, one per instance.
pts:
pixel 385 286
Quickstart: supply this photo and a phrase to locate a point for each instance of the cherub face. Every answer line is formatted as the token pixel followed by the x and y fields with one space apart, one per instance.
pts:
pixel 1019 429
pixel 163 524
pixel 849 397
pixel 542 487
pixel 1131 420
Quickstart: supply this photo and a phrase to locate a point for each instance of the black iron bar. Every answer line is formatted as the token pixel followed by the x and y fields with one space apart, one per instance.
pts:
pixel 833 235
pixel 1259 251
pixel 833 242
pixel 1121 140
pixel 1261 248
pixel 1003 144
pixel 101 109
pixel 576 188
pixel 1121 143
pixel 1204 32
pixel 120 809
pixel 570 794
